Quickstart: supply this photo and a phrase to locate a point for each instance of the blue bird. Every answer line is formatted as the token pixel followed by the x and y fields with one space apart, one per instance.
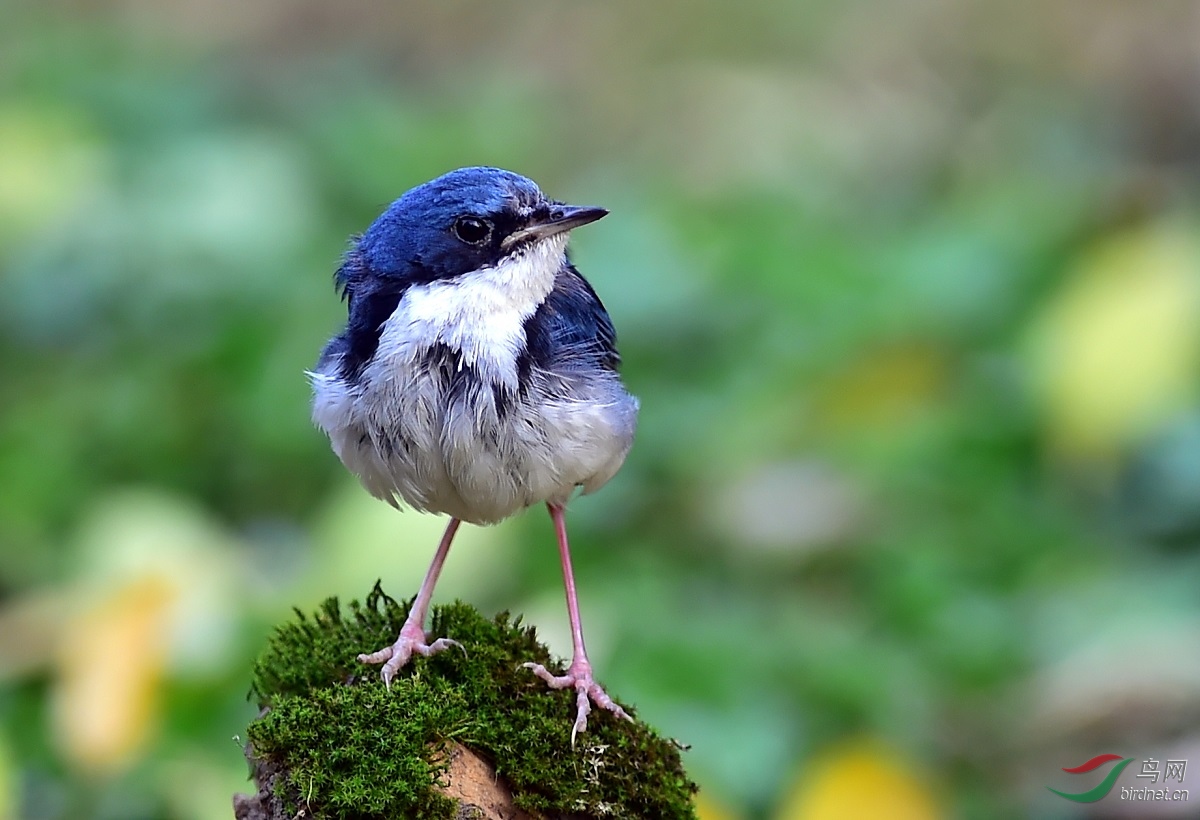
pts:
pixel 476 376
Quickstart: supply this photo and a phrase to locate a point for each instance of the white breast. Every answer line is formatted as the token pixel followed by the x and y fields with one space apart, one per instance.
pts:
pixel 481 314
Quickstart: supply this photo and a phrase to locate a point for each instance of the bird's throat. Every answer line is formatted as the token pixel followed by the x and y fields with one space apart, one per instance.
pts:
pixel 481 314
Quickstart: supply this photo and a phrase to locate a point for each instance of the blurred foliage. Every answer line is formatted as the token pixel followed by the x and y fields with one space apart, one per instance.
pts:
pixel 908 292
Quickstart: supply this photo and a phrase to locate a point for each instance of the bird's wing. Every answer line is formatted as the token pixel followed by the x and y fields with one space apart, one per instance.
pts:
pixel 370 300
pixel 571 328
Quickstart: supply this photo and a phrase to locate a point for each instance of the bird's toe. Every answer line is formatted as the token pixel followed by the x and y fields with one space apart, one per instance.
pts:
pixel 394 657
pixel 587 692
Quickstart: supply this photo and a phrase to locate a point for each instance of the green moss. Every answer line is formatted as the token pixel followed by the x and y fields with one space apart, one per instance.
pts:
pixel 353 749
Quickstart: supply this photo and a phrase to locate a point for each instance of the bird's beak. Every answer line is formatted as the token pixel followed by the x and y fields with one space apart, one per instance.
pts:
pixel 559 219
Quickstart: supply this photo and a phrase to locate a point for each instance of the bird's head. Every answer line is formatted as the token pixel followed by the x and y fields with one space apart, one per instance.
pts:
pixel 467 220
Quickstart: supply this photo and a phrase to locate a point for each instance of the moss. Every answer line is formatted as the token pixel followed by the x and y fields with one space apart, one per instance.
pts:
pixel 353 749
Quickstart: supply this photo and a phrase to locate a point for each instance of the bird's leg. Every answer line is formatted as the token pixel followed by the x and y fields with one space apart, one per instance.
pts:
pixel 579 673
pixel 412 634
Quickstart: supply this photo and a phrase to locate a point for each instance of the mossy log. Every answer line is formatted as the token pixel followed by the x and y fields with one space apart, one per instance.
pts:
pixel 466 734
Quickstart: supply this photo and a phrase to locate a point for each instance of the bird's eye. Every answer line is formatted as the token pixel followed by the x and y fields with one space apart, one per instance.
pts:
pixel 471 230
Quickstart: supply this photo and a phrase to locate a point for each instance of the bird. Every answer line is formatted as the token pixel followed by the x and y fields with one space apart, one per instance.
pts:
pixel 476 376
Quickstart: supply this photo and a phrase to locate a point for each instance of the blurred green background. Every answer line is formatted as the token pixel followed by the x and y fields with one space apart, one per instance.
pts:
pixel 909 292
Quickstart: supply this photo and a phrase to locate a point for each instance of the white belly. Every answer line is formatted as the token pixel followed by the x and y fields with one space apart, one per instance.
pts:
pixel 465 457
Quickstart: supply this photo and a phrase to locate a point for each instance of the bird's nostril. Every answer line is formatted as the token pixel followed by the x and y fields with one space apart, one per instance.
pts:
pixel 557 214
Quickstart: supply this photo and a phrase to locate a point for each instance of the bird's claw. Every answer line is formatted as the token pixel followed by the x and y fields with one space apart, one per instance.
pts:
pixel 411 641
pixel 579 677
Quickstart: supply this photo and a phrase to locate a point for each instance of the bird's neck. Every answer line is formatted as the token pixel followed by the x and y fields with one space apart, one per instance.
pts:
pixel 511 289
pixel 481 314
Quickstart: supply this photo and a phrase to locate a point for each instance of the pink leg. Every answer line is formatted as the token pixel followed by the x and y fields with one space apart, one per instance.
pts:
pixel 579 674
pixel 412 634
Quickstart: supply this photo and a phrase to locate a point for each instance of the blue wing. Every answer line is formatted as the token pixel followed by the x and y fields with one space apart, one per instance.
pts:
pixel 571 330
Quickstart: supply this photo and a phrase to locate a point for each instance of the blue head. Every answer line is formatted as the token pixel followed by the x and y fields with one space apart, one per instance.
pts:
pixel 464 221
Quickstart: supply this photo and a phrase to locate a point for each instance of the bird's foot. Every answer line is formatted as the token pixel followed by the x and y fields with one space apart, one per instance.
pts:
pixel 579 676
pixel 412 641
